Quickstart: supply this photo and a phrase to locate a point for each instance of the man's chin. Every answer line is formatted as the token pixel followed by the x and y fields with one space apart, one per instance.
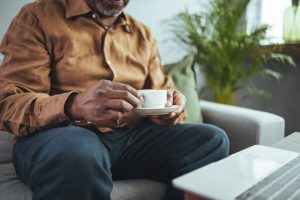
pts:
pixel 112 14
pixel 110 8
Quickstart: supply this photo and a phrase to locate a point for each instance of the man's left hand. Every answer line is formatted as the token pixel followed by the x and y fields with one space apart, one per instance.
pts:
pixel 175 97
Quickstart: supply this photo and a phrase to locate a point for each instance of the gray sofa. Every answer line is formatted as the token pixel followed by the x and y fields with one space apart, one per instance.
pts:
pixel 245 127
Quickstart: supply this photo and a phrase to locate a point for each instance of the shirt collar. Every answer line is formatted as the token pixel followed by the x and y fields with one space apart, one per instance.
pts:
pixel 76 8
pixel 80 7
pixel 124 21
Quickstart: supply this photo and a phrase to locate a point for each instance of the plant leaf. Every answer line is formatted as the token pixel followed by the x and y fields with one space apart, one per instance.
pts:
pixel 272 73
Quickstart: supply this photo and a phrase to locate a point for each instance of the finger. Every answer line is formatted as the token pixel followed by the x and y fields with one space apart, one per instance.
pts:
pixel 107 117
pixel 125 95
pixel 125 87
pixel 158 121
pixel 179 99
pixel 169 98
pixel 161 117
pixel 166 117
pixel 119 105
pixel 173 114
pixel 176 112
pixel 153 116
pixel 113 115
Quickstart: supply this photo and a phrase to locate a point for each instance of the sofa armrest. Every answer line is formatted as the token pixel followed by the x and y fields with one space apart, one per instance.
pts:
pixel 244 127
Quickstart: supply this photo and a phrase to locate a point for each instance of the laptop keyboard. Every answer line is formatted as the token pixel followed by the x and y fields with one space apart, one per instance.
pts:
pixel 283 184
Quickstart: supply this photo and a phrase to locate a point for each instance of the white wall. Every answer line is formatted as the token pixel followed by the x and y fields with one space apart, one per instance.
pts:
pixel 154 14
pixel 150 12
pixel 8 9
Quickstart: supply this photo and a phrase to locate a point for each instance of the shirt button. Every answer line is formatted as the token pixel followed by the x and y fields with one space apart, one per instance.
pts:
pixel 105 27
pixel 109 62
pixel 94 16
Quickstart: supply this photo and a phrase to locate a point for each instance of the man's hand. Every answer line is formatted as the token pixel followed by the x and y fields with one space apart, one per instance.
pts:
pixel 174 98
pixel 104 103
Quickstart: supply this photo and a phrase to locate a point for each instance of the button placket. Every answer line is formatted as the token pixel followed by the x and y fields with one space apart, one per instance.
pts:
pixel 106 53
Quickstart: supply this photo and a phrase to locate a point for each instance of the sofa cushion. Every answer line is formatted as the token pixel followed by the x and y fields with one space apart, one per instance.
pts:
pixel 184 79
pixel 11 187
pixel 6 146
pixel 138 189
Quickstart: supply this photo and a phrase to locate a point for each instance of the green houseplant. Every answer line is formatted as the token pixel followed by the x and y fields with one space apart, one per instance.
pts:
pixel 228 56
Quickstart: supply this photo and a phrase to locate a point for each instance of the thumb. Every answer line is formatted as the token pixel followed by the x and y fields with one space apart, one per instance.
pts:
pixel 169 98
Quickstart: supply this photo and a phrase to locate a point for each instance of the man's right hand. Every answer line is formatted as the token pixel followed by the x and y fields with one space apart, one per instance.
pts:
pixel 104 103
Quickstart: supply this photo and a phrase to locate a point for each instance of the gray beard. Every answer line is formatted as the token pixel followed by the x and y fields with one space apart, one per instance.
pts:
pixel 109 13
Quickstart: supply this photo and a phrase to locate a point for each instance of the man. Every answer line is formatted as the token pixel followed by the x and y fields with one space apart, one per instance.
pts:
pixel 69 82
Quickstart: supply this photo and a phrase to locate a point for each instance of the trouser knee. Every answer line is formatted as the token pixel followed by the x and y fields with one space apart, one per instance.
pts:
pixel 216 139
pixel 64 163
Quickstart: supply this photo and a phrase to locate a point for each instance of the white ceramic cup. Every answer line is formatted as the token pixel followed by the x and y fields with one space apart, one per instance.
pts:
pixel 154 98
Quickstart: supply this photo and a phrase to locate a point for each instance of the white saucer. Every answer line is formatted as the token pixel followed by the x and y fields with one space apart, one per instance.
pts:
pixel 155 111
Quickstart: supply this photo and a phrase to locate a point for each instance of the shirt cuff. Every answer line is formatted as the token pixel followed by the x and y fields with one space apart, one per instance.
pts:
pixel 52 109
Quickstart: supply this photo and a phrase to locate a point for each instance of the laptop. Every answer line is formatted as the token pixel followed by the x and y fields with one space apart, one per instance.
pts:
pixel 258 172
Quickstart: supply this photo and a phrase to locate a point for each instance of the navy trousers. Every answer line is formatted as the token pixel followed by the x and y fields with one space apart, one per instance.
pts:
pixel 75 163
